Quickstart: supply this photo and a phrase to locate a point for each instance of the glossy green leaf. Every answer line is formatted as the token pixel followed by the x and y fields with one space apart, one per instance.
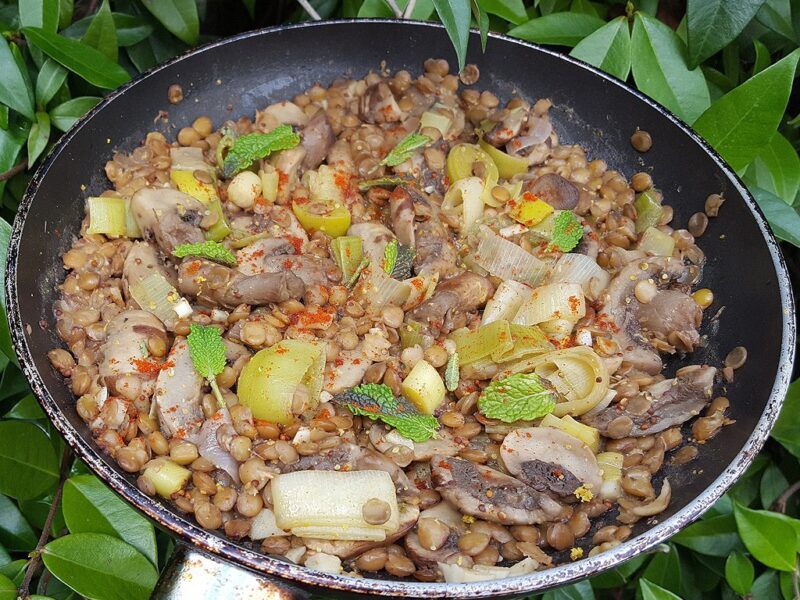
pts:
pixel 16 534
pixel 776 169
pixel 578 591
pixel 79 58
pixel 423 9
pixel 769 537
pixel 5 557
pixel 5 237
pixel 100 567
pixel 51 77
pixel 65 10
pixel 26 409
pixel 482 19
pixel 741 123
pixel 64 115
pixel 658 61
pixel 586 7
pixel 608 48
pixel 179 17
pixel 716 536
pixel 14 570
pixel 16 90
pixel 776 15
pixel 651 591
pixel 766 587
pixel 510 10
pixel 38 136
pixel 39 13
pixel 785 223
pixel 773 483
pixel 713 24
pixel 130 28
pixel 787 429
pixel 739 573
pixel 561 29
pixel 36 511
pixel 763 58
pixel 456 16
pixel 8 589
pixel 28 463
pixel 90 507
pixel 102 33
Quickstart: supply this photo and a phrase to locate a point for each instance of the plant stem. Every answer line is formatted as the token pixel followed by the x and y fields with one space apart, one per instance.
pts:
pixel 409 9
pixel 309 9
pixel 780 504
pixel 18 168
pixel 33 565
pixel 395 9
pixel 212 381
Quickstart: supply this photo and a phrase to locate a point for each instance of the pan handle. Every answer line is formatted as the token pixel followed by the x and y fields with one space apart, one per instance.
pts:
pixel 194 574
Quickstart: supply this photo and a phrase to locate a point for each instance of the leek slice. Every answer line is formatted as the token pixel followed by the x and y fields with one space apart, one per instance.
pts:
pixel 107 216
pixel 528 341
pixel 514 190
pixel 157 296
pixel 507 260
pixel 461 162
pixel 588 435
pixel 543 232
pixel 656 242
pixel 437 120
pixel 648 210
pixel 131 225
pixel 190 159
pixel 551 302
pixel 206 193
pixel 492 340
pixel 347 250
pixel 410 334
pixel 583 270
pixel 326 185
pixel 328 504
pixel 464 197
pixel 507 165
pixel 269 382
pixel 269 183
pixel 166 476
pixel 505 303
pixel 424 388
pixel 611 465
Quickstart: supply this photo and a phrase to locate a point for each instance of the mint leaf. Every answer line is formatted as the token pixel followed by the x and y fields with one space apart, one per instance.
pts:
pixel 209 249
pixel 404 262
pixel 207 351
pixel 379 182
pixel 567 231
pixel 520 397
pixel 350 283
pixel 380 393
pixel 253 146
pixel 451 373
pixel 403 151
pixel 417 428
pixel 390 256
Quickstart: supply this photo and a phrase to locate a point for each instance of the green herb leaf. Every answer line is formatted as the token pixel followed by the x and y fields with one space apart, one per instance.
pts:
pixel 741 123
pixel 608 48
pixel 38 136
pixel 770 537
pixel 739 573
pixel 567 231
pixel 561 28
pixel 390 256
pixel 90 507
pixel 208 249
pixel 251 147
pixel 28 463
pixel 179 17
pixel 520 397
pixel 102 33
pixel 713 24
pixel 455 16
pixel 350 283
pixel 651 591
pixel 79 58
pixel 208 354
pixel 16 91
pixel 377 402
pixel 380 182
pixel 15 532
pixel 403 151
pixel 65 115
pixel 100 566
pixel 403 266
pixel 451 373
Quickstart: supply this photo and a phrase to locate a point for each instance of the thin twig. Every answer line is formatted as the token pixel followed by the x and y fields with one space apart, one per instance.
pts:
pixel 36 555
pixel 18 168
pixel 309 9
pixel 780 504
pixel 395 9
pixel 409 9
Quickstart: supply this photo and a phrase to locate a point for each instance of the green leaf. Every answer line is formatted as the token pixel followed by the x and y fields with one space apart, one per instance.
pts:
pixel 520 397
pixel 561 29
pixel 405 148
pixel 776 15
pixel 567 231
pixel 456 17
pixel 65 10
pixel 208 249
pixel 741 123
pixel 716 536
pixel 65 115
pixel 608 48
pixel 770 537
pixel 15 532
pixel 16 90
pixel 28 463
pixel 787 429
pixel 390 256
pixel 5 237
pixel 510 10
pixel 482 19
pixel 51 77
pixel 207 351
pixel 585 7
pixel 100 567
pixel 452 373
pixel 79 58
pixel 39 13
pixel 785 223
pixel 179 17
pixel 251 147
pixel 90 507
pixel 763 58
pixel 422 11
pixel 658 61
pixel 578 591
pixel 739 573
pixel 766 587
pixel 713 24
pixel 776 169
pixel 38 136
pixel 8 589
pixel 130 29
pixel 651 591
pixel 773 483
pixel 27 409
pixel 36 511
pixel 102 33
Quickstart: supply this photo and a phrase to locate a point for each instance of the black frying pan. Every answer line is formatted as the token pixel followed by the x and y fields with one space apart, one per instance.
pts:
pixel 235 77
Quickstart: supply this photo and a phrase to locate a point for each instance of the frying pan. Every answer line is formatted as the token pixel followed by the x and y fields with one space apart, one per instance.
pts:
pixel 236 76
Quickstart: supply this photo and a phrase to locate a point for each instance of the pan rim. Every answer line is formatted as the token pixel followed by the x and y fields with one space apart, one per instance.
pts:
pixel 537 581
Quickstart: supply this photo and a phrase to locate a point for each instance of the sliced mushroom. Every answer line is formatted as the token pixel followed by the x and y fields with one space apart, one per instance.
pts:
pixel 346 371
pixel 374 237
pixel 379 106
pixel 555 190
pixel 672 312
pixel 217 285
pixel 384 440
pixel 401 207
pixel 285 112
pixel 210 448
pixel 372 460
pixel 427 557
pixel 550 460
pixel 317 138
pixel 340 458
pixel 491 495
pixel 508 128
pixel 178 394
pixel 289 162
pixel 662 405
pixel 458 295
pixel 169 217
pixel 125 369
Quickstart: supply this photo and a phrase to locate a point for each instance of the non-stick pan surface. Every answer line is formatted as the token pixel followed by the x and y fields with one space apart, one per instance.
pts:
pixel 236 76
